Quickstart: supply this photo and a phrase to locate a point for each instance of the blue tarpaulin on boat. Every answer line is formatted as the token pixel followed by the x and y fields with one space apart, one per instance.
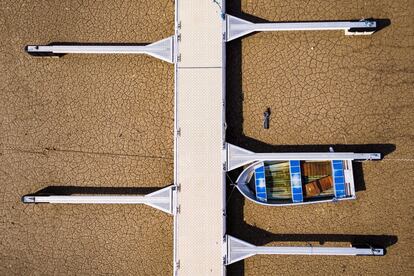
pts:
pixel 296 181
pixel 260 183
pixel 339 179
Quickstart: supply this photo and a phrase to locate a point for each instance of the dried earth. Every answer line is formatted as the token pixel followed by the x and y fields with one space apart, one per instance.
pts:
pixel 107 121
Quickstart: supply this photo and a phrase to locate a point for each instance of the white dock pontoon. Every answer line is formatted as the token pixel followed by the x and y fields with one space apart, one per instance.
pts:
pixel 197 200
pixel 200 222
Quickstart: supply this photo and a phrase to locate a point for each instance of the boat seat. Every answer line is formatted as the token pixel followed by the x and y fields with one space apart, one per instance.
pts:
pixel 296 181
pixel 338 177
pixel 319 186
pixel 260 182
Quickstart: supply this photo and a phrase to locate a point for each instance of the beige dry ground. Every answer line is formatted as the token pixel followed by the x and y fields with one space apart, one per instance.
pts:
pixel 93 121
pixel 107 121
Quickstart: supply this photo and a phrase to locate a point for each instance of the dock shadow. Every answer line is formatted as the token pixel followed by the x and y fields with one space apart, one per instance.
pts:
pixel 236 225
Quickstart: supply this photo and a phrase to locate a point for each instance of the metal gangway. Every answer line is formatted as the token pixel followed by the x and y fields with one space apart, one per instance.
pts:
pixel 197 199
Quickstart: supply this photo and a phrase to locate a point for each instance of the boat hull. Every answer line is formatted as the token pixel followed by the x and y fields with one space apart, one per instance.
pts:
pixel 246 188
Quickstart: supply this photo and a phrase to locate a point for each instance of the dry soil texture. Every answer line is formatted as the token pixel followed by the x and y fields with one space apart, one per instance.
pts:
pixel 323 89
pixel 107 121
pixel 92 121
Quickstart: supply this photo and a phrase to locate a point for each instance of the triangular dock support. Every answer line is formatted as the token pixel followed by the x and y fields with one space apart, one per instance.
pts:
pixel 238 250
pixel 237 27
pixel 237 156
pixel 161 199
pixel 163 49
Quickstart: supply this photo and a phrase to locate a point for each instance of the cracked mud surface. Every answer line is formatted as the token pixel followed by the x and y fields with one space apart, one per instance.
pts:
pixel 84 120
pixel 325 88
pixel 107 121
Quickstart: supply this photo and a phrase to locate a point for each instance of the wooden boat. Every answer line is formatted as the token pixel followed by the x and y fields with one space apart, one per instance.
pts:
pixel 296 182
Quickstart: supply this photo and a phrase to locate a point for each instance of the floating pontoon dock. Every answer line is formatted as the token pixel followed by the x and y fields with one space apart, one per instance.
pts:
pixel 202 157
pixel 200 219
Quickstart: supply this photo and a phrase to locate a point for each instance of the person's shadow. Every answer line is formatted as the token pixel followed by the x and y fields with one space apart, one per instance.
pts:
pixel 236 226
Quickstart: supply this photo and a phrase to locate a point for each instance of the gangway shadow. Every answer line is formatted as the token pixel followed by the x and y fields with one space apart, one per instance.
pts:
pixel 236 225
pixel 76 190
pixel 257 236
pixel 66 43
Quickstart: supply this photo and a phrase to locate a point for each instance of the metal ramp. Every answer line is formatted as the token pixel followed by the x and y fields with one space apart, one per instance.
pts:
pixel 237 27
pixel 163 49
pixel 237 156
pixel 162 199
pixel 238 250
